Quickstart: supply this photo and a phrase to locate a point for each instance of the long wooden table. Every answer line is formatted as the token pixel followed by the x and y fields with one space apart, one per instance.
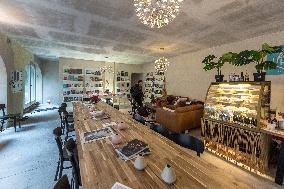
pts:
pixel 101 167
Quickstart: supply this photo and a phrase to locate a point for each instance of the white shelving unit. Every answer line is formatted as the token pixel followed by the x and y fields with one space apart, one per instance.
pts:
pixel 154 85
pixel 73 84
pixel 94 81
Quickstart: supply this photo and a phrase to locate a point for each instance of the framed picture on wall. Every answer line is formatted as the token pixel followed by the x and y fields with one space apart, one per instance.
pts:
pixel 279 59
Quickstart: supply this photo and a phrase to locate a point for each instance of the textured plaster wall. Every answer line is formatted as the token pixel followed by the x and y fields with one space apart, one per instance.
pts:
pixel 15 57
pixel 186 77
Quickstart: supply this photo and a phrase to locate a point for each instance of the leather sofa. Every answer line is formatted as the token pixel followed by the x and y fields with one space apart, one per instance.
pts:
pixel 180 119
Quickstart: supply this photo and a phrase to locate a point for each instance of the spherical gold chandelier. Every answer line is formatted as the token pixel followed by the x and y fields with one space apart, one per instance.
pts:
pixel 162 64
pixel 157 13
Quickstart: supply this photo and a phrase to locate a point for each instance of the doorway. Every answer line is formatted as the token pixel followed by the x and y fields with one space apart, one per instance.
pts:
pixel 135 77
pixel 3 83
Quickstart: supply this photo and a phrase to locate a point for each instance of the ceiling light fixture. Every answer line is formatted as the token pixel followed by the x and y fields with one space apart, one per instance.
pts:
pixel 157 13
pixel 162 64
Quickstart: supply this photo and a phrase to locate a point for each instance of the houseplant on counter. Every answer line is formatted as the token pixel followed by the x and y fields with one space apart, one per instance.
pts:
pixel 210 65
pixel 257 57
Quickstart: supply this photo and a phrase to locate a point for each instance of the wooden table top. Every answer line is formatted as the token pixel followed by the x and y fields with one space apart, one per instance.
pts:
pixel 101 167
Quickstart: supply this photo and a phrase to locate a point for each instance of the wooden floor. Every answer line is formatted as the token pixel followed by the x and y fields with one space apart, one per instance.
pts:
pixel 101 167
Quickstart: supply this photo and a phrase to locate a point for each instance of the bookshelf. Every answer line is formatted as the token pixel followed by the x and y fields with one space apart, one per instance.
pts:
pixel 154 85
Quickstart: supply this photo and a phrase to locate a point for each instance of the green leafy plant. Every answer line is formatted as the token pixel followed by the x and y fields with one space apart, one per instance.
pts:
pixel 255 56
pixel 210 64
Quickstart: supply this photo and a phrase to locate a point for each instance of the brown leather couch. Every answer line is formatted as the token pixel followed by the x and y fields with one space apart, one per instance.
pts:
pixel 183 118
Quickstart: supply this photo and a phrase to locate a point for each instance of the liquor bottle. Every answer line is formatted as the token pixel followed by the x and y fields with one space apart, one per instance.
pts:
pixel 246 76
pixel 242 78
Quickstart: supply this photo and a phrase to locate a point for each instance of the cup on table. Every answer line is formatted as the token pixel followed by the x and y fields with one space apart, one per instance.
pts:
pixel 121 126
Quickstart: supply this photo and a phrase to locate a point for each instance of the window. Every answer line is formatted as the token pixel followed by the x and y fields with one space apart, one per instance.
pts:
pixel 30 84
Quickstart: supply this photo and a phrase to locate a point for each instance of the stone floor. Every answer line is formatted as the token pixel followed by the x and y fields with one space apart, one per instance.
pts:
pixel 28 157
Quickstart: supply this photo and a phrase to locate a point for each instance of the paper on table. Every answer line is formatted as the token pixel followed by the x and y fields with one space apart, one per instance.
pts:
pixel 109 124
pixel 118 185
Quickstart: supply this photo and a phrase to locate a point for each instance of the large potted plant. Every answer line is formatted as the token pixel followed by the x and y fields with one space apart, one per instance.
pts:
pixel 257 57
pixel 210 64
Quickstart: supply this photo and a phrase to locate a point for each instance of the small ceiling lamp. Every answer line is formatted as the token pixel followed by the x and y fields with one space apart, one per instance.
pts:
pixel 157 13
pixel 162 64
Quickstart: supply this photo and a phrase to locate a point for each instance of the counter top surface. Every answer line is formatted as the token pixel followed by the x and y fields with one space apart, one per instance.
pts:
pixel 101 167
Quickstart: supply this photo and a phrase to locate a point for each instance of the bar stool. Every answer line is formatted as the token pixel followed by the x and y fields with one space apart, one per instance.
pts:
pixel 62 183
pixel 73 157
pixel 63 156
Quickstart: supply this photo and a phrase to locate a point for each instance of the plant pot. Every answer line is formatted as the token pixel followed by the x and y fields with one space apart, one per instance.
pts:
pixel 219 78
pixel 259 76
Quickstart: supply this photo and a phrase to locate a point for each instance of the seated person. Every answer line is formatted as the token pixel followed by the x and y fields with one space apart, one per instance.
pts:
pixel 137 93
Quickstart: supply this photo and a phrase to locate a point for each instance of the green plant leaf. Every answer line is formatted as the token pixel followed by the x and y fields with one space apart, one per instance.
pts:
pixel 267 48
pixel 209 66
pixel 208 59
pixel 269 65
pixel 243 58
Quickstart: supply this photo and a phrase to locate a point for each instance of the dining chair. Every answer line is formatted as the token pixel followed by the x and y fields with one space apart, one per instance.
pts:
pixel 62 183
pixel 69 125
pixel 2 118
pixel 160 129
pixel 73 157
pixel 63 156
pixel 188 141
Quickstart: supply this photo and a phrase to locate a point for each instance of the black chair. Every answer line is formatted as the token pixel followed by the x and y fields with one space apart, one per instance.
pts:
pixel 3 118
pixel 64 107
pixel 73 157
pixel 62 183
pixel 69 125
pixel 189 142
pixel 159 129
pixel 62 121
pixel 63 156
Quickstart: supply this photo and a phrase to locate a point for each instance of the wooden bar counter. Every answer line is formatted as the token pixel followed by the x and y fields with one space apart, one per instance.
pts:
pixel 101 167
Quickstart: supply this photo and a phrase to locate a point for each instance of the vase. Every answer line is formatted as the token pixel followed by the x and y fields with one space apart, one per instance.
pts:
pixel 168 175
pixel 139 163
pixel 121 126
pixel 115 139
pixel 259 76
pixel 219 78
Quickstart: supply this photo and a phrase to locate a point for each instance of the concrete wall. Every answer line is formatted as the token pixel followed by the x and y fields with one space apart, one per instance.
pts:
pixel 186 77
pixel 15 57
pixel 3 82
pixel 50 81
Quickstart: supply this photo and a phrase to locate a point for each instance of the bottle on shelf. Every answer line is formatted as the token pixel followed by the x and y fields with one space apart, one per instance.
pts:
pixel 242 78
pixel 246 76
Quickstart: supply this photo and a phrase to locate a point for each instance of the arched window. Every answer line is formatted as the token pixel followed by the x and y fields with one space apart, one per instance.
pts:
pixel 32 75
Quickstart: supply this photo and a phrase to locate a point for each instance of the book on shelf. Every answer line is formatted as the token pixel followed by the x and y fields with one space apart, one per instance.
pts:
pixel 132 148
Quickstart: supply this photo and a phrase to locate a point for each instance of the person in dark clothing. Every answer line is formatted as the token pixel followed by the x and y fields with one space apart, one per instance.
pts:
pixel 137 93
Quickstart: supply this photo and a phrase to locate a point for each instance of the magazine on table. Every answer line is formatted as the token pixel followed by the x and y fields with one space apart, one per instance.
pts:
pixel 101 117
pixel 131 149
pixel 110 124
pixel 118 185
pixel 97 134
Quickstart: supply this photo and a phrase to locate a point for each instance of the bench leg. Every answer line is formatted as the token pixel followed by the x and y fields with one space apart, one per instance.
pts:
pixel 15 124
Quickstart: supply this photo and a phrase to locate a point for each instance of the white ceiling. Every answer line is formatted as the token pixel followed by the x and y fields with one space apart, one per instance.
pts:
pixel 94 29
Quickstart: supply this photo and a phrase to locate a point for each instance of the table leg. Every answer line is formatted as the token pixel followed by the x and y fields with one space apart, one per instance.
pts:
pixel 280 166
